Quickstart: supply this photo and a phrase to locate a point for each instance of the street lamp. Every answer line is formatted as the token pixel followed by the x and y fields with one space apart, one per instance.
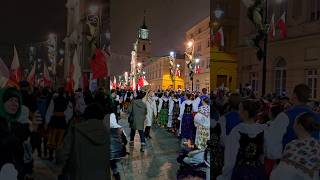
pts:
pixel 197 60
pixel 255 14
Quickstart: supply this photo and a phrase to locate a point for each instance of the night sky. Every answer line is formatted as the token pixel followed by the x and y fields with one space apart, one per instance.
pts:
pixel 25 21
pixel 167 20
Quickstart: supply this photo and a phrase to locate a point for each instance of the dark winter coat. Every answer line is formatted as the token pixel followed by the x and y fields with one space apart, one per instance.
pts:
pixel 139 110
pixel 84 151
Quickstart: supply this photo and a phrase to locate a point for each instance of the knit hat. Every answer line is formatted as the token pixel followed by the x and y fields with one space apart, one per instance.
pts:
pixel 5 95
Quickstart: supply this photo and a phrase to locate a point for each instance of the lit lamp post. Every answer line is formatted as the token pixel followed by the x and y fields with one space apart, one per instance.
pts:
pixel 256 11
pixel 190 60
pixel 172 68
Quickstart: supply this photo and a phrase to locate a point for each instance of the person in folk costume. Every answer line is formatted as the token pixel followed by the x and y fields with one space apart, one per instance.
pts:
pixel 232 118
pixel 169 124
pixel 281 128
pixel 163 109
pixel 275 109
pixel 202 123
pixel 301 157
pixel 174 109
pixel 182 98
pixel 156 100
pixel 186 120
pixel 151 112
pixel 56 120
pixel 244 147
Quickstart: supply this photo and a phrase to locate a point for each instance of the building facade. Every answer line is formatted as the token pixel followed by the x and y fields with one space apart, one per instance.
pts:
pixel 291 60
pixel 200 35
pixel 157 73
pixel 223 69
pixel 87 28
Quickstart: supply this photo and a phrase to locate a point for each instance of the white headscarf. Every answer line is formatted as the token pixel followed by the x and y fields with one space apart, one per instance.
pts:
pixel 113 121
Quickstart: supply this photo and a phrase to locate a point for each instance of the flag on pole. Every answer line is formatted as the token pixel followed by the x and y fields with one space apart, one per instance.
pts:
pixel 76 71
pixel 272 28
pixel 15 71
pixel 31 76
pixel 219 36
pixel 98 65
pixel 46 76
pixel 282 25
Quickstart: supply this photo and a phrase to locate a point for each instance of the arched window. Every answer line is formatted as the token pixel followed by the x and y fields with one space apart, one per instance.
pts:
pixel 280 75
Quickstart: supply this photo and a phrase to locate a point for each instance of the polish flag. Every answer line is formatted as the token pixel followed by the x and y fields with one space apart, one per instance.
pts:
pixel 178 73
pixel 197 70
pixel 219 36
pixel 272 28
pixel 46 76
pixel 15 71
pixel 282 25
pixel 31 75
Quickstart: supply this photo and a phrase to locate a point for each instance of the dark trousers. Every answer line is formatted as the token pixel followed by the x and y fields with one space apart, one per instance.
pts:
pixel 35 140
pixel 141 134
pixel 147 131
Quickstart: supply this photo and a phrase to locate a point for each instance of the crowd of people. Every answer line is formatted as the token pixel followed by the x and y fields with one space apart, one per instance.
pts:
pixel 245 137
pixel 265 138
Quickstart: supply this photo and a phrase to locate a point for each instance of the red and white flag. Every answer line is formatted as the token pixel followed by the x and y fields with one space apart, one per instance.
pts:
pixel 15 71
pixel 282 25
pixel 219 36
pixel 46 76
pixel 197 69
pixel 178 73
pixel 31 76
pixel 272 28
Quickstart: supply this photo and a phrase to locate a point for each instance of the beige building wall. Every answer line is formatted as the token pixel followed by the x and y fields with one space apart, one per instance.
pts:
pixel 200 33
pixel 293 60
pixel 158 75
